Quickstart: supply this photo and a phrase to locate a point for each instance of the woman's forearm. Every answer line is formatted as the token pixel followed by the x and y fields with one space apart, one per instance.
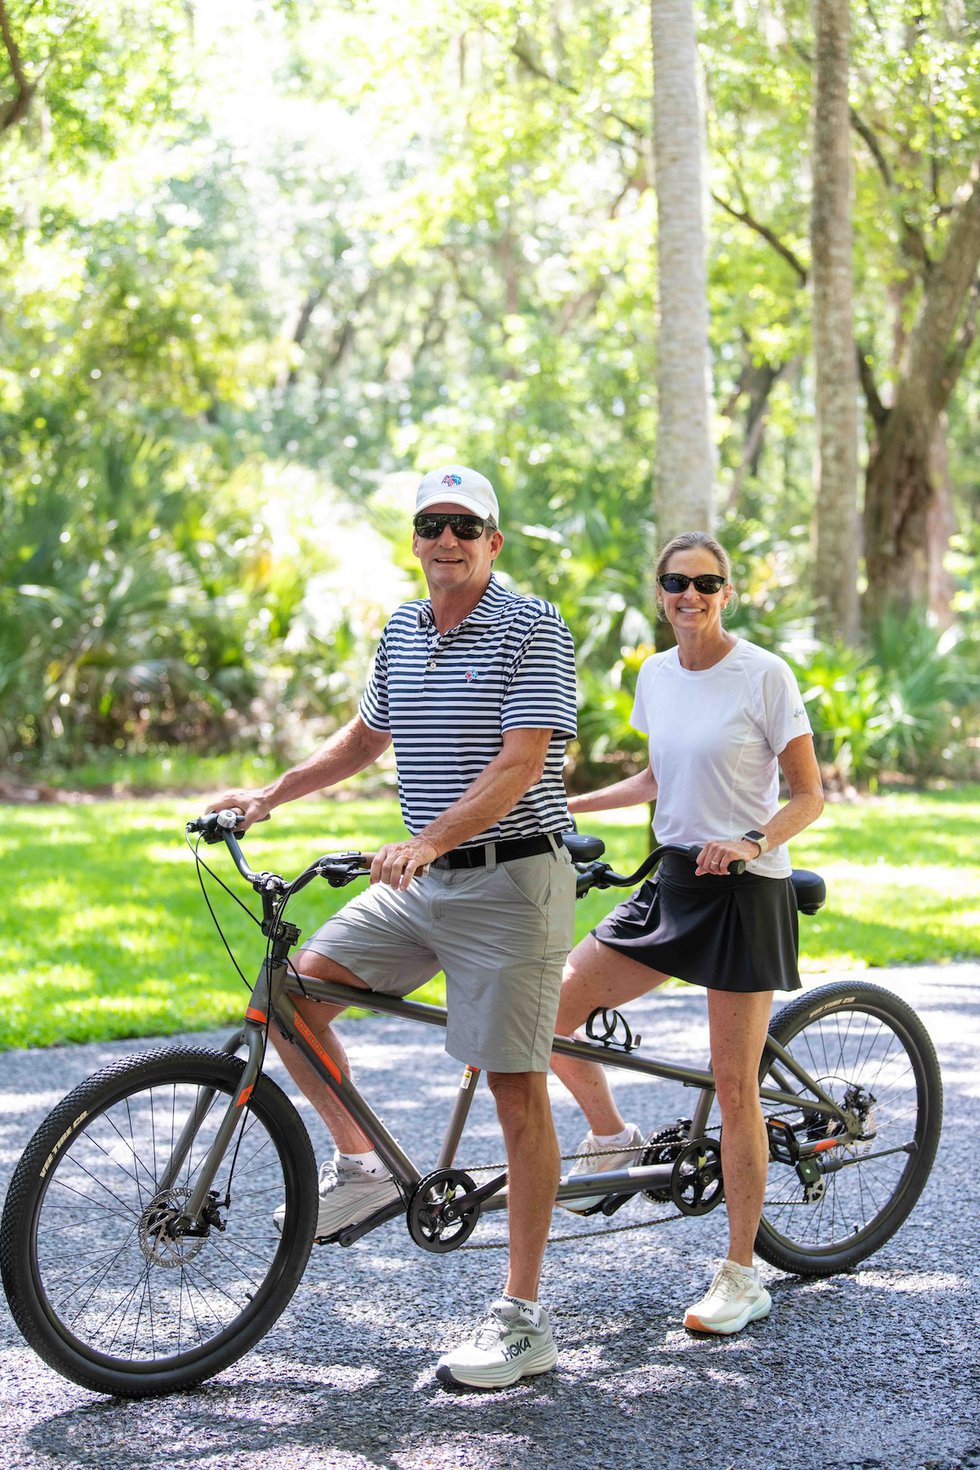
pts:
pixel 634 791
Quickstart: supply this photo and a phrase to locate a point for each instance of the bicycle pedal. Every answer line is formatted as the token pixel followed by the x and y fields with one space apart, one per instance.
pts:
pixel 612 1203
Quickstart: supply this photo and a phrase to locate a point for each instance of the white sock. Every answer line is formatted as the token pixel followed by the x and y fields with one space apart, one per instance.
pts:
pixel 530 1309
pixel 368 1163
pixel 750 1271
pixel 608 1140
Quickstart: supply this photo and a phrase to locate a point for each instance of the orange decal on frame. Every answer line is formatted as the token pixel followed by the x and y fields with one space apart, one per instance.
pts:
pixel 312 1041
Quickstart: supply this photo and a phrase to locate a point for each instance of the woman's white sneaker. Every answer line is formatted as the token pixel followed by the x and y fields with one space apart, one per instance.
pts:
pixel 598 1158
pixel 507 1346
pixel 735 1298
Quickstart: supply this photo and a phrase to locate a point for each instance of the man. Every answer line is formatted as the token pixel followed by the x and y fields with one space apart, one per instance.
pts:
pixel 475 686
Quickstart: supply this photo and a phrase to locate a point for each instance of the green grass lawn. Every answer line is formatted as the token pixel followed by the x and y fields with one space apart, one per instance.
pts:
pixel 105 933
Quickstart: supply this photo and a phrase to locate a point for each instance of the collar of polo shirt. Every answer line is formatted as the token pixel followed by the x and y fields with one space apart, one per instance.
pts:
pixel 482 613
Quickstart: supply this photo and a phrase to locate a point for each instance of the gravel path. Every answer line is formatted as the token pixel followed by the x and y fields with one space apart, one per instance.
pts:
pixel 874 1369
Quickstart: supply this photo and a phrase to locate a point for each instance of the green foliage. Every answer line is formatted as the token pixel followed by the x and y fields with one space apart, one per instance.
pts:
pixel 129 950
pixel 904 705
pixel 257 270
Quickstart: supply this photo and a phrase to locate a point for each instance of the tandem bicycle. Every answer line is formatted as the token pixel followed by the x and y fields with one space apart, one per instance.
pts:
pixel 137 1246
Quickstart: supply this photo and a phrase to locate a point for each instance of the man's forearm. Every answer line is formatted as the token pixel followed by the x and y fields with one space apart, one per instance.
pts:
pixel 351 749
pixel 494 793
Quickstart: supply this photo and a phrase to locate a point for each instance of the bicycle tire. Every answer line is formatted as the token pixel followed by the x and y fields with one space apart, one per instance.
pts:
pixel 852 1036
pixel 98 1288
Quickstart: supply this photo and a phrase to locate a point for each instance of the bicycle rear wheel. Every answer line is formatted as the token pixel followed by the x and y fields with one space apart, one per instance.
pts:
pixel 870 1052
pixel 98 1284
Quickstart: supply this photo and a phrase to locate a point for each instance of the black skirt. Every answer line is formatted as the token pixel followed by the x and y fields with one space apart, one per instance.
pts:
pixel 723 932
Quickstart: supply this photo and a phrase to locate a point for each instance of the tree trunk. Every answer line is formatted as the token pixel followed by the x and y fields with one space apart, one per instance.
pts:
pixel 836 519
pixel 899 489
pixel 941 526
pixel 685 459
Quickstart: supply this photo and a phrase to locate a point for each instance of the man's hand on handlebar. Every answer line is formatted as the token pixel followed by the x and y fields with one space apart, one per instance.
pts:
pixel 715 857
pixel 251 804
pixel 397 863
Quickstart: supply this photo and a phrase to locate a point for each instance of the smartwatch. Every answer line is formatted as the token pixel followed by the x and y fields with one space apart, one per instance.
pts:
pixel 760 838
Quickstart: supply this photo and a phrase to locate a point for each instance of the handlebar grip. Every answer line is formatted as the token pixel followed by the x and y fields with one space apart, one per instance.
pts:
pixel 735 867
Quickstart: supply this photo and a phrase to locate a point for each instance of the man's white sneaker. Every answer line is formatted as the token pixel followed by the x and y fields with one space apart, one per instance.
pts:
pixel 734 1298
pixel 597 1161
pixel 509 1345
pixel 347 1195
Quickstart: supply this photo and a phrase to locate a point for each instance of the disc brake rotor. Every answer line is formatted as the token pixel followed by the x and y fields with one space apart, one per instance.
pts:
pixel 159 1242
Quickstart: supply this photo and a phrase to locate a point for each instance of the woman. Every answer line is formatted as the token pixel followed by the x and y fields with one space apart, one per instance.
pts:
pixel 723 717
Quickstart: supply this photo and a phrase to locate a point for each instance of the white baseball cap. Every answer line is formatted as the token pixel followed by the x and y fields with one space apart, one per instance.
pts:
pixel 454 484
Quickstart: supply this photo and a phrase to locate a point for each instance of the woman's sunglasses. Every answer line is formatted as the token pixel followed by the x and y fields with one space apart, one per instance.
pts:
pixel 677 582
pixel 464 528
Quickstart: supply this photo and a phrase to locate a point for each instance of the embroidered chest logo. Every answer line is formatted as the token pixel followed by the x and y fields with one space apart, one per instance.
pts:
pixel 471 676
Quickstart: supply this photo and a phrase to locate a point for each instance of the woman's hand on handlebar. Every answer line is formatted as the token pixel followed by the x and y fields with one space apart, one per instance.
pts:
pixel 715 857
pixel 252 805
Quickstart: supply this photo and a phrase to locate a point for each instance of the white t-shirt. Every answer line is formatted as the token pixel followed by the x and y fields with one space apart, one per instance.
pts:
pixel 715 737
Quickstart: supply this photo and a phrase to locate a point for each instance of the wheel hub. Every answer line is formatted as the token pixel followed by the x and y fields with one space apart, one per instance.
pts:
pixel 160 1240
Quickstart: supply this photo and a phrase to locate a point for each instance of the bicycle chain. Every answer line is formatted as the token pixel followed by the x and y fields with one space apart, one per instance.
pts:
pixel 500 1245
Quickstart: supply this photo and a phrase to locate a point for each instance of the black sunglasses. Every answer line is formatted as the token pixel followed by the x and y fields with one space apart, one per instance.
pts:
pixel 710 583
pixel 430 525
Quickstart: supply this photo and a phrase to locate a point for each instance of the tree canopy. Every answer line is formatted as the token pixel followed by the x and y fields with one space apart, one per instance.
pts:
pixel 264 264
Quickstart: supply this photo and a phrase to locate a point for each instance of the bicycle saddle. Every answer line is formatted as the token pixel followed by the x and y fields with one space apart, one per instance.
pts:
pixel 810 890
pixel 583 848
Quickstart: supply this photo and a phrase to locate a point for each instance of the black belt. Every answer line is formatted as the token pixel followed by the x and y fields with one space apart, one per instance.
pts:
pixel 506 852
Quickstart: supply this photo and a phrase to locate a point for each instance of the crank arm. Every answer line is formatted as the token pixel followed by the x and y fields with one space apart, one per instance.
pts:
pixel 463 1204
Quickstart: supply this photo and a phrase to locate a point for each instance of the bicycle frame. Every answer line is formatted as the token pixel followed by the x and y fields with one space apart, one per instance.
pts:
pixel 272 1004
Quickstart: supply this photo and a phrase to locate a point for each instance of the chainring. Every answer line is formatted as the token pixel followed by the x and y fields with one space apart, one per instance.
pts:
pixel 696 1184
pixel 433 1222
pixel 663 1147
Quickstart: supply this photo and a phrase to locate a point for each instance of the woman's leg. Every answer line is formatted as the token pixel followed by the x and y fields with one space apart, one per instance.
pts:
pixel 596 976
pixel 738 1025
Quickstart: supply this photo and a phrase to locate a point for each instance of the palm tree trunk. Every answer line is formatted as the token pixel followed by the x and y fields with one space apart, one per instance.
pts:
pixel 836 519
pixel 684 496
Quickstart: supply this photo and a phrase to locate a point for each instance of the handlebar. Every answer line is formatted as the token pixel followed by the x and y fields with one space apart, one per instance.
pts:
pixel 599 874
pixel 341 868
pixel 338 868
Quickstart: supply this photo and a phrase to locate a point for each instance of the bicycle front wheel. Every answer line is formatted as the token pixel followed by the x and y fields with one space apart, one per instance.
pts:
pixel 102 1286
pixel 853 1184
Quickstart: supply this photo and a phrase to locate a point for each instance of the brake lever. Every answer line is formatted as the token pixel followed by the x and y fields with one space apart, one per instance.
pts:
pixel 341 868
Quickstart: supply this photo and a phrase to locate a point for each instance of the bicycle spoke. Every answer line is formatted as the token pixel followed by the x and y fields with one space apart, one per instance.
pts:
pixel 869 1053
pixel 129 1287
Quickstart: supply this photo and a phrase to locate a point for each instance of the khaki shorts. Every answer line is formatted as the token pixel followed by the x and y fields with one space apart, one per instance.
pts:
pixel 500 933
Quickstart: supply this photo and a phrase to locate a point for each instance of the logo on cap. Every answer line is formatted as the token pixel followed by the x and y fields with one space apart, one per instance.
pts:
pixel 452 480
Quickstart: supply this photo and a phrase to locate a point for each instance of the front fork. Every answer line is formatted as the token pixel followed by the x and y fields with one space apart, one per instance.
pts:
pixel 252 1035
pixel 272 982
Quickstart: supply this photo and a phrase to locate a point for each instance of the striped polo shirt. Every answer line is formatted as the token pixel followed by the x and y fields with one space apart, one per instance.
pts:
pixel 447 699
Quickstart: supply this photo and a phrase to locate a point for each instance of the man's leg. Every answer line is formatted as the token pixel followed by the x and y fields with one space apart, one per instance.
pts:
pixel 319 1016
pixel 533 1170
